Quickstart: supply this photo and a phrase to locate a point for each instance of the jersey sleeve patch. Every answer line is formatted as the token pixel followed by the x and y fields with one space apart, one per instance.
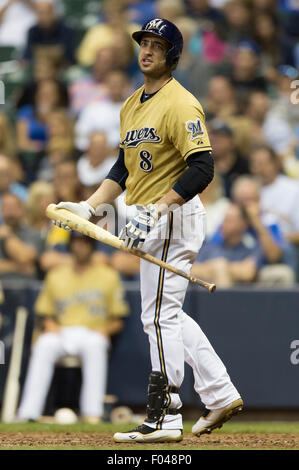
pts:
pixel 195 129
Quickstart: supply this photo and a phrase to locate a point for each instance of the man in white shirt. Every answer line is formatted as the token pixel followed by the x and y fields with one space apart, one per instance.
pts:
pixel 279 193
pixel 94 165
pixel 104 116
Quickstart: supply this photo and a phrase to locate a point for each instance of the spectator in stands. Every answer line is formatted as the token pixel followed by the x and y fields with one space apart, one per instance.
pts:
pixel 221 99
pixel 8 182
pixel 94 165
pixel 264 6
pixel 92 88
pixel 104 33
pixel 288 12
pixel 104 116
pixel 125 57
pixel 228 163
pixel 238 17
pixel 203 12
pixel 141 11
pixel 247 121
pixel 265 34
pixel 43 68
pixel 81 306
pixel 59 149
pixel 205 54
pixel 281 127
pixel 7 138
pixel 66 184
pixel 229 259
pixel 20 245
pixel 215 204
pixel 170 9
pixel 66 181
pixel 50 37
pixel 267 124
pixel 278 256
pixel 32 119
pixel 40 195
pixel 60 125
pixel 190 67
pixel 256 110
pixel 279 193
pixel 16 17
pixel 245 74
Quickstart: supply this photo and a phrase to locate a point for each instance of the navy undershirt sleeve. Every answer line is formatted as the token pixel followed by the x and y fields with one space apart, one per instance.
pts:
pixel 197 177
pixel 119 172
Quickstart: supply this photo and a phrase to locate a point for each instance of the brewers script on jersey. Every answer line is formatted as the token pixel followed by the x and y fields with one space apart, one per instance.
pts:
pixel 157 136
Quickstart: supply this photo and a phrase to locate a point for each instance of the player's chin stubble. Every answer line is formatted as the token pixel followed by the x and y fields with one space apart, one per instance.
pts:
pixel 157 71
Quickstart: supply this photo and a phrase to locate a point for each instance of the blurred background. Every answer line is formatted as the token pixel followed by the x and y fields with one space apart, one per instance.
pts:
pixel 66 68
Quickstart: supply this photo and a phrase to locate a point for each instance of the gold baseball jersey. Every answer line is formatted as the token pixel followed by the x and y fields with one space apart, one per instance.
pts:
pixel 157 137
pixel 88 298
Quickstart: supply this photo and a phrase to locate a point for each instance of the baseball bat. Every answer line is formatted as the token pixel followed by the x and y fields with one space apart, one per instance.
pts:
pixel 94 231
pixel 12 386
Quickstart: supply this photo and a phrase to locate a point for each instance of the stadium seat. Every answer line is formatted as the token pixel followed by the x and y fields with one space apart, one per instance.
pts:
pixel 8 53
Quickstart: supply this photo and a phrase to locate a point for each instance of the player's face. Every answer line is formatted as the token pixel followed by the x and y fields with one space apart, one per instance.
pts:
pixel 152 55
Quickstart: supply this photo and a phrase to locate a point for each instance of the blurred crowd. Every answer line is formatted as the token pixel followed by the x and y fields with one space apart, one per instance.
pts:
pixel 67 67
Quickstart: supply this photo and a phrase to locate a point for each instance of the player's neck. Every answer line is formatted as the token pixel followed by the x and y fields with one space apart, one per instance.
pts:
pixel 153 84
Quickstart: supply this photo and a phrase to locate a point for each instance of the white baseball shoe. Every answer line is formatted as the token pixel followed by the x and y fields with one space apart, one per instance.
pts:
pixel 145 433
pixel 213 419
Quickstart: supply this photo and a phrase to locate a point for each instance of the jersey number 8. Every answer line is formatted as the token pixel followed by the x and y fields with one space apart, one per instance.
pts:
pixel 145 161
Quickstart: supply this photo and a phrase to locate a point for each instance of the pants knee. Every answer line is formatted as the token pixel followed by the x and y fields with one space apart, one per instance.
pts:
pixel 165 319
pixel 48 344
pixel 97 342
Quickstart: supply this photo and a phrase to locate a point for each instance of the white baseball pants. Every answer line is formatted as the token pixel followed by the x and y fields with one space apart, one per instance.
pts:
pixel 174 336
pixel 91 346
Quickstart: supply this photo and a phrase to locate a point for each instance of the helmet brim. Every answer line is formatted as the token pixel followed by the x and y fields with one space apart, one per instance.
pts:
pixel 137 35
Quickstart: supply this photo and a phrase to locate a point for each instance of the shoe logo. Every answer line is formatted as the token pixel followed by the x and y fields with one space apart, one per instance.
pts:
pixel 133 436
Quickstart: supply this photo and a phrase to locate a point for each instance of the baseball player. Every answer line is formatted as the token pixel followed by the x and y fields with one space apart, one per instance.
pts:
pixel 80 306
pixel 164 162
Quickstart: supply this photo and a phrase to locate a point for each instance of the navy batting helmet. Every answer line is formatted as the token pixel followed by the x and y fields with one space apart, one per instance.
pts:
pixel 168 31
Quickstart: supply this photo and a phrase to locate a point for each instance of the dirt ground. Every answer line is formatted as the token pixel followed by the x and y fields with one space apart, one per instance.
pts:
pixel 104 441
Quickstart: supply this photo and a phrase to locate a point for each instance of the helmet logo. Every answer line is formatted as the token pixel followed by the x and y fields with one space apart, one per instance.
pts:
pixel 157 24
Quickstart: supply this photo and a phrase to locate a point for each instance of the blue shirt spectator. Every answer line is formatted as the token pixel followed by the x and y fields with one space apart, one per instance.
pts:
pixel 230 257
pixel 37 130
pixel 263 227
pixel 218 248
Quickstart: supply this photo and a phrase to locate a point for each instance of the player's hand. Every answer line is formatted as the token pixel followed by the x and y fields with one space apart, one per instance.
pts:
pixel 134 233
pixel 83 209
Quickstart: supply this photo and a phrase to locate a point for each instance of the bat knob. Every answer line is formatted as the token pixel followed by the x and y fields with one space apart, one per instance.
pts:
pixel 212 288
